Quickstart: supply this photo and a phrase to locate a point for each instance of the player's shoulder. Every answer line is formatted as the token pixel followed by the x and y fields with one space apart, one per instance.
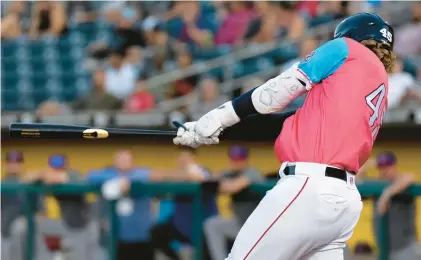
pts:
pixel 336 49
pixel 325 60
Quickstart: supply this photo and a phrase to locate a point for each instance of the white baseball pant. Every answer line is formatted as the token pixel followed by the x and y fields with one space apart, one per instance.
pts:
pixel 306 216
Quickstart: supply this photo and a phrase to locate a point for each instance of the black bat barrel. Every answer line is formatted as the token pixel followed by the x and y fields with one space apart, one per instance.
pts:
pixel 56 131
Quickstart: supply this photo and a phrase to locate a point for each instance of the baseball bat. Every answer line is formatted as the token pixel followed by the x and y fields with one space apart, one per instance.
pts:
pixel 56 131
pixel 257 127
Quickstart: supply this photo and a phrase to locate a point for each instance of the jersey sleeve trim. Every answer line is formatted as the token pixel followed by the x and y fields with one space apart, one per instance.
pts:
pixel 325 60
pixel 305 75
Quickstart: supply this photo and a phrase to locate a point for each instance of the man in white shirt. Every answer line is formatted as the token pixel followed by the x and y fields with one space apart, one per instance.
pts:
pixel 120 77
pixel 401 86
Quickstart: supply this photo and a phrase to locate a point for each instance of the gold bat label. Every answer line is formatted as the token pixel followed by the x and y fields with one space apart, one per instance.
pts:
pixel 95 133
pixel 30 133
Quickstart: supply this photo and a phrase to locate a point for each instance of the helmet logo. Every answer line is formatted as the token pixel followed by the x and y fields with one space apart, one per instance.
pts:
pixel 386 34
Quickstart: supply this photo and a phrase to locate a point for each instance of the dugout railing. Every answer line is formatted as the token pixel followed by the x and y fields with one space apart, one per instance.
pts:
pixel 368 189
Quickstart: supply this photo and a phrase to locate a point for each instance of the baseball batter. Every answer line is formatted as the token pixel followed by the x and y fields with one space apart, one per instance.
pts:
pixel 313 209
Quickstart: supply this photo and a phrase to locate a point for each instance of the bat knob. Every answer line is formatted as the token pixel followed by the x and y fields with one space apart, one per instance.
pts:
pixel 178 124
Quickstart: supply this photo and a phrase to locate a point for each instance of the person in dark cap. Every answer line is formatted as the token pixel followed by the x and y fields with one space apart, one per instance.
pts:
pixel 399 207
pixel 75 232
pixel 234 182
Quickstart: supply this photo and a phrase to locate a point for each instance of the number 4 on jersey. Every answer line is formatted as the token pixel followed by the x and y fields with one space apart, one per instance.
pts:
pixel 374 100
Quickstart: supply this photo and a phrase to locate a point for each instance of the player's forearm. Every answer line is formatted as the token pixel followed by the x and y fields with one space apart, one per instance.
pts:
pixel 234 186
pixel 400 185
pixel 274 95
pixel 169 175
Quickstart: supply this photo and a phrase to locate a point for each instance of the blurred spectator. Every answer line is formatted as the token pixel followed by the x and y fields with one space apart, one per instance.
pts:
pixel 408 36
pixel 209 98
pixel 112 11
pixel 161 47
pixel 135 216
pixel 120 77
pixel 48 19
pixel 401 86
pixel 220 9
pixel 186 85
pixel 151 26
pixel 134 212
pixel 176 8
pixel 126 28
pixel 141 100
pixel 80 11
pixel 179 226
pixel 289 19
pixel 399 207
pixel 235 23
pixel 329 11
pixel 74 233
pixel 11 24
pixel 53 108
pixel 234 182
pixel 11 203
pixel 263 28
pixel 134 56
pixel 77 231
pixel 308 8
pixel 129 34
pixel 198 27
pixel 97 99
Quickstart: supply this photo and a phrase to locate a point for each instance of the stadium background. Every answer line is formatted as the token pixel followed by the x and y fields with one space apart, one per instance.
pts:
pixel 42 77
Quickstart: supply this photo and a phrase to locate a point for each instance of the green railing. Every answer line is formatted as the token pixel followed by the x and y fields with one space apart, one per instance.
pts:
pixel 372 189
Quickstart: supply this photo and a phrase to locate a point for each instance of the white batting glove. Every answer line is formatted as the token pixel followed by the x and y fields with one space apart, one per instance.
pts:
pixel 186 137
pixel 215 121
pixel 190 138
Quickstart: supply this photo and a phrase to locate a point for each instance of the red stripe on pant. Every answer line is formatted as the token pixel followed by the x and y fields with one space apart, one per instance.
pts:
pixel 273 223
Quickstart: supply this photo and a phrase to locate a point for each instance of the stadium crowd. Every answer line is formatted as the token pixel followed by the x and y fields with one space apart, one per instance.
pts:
pixel 58 57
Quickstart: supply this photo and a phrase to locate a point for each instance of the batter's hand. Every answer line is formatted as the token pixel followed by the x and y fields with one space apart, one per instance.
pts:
pixel 189 137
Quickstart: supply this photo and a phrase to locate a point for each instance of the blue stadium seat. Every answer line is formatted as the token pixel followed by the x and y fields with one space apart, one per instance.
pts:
pixel 8 49
pixel 8 64
pixel 9 81
pixel 67 63
pixel 36 48
pixel 9 99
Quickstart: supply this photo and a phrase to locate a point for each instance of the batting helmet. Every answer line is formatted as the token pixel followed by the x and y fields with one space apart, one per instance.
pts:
pixel 366 26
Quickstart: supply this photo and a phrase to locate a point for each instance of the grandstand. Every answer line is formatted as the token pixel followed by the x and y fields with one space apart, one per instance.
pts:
pixel 58 68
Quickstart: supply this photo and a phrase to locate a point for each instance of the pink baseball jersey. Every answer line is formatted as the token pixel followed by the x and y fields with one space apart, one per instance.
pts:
pixel 342 113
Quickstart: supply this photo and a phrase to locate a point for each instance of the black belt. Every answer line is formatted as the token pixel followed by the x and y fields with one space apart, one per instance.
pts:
pixel 330 172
